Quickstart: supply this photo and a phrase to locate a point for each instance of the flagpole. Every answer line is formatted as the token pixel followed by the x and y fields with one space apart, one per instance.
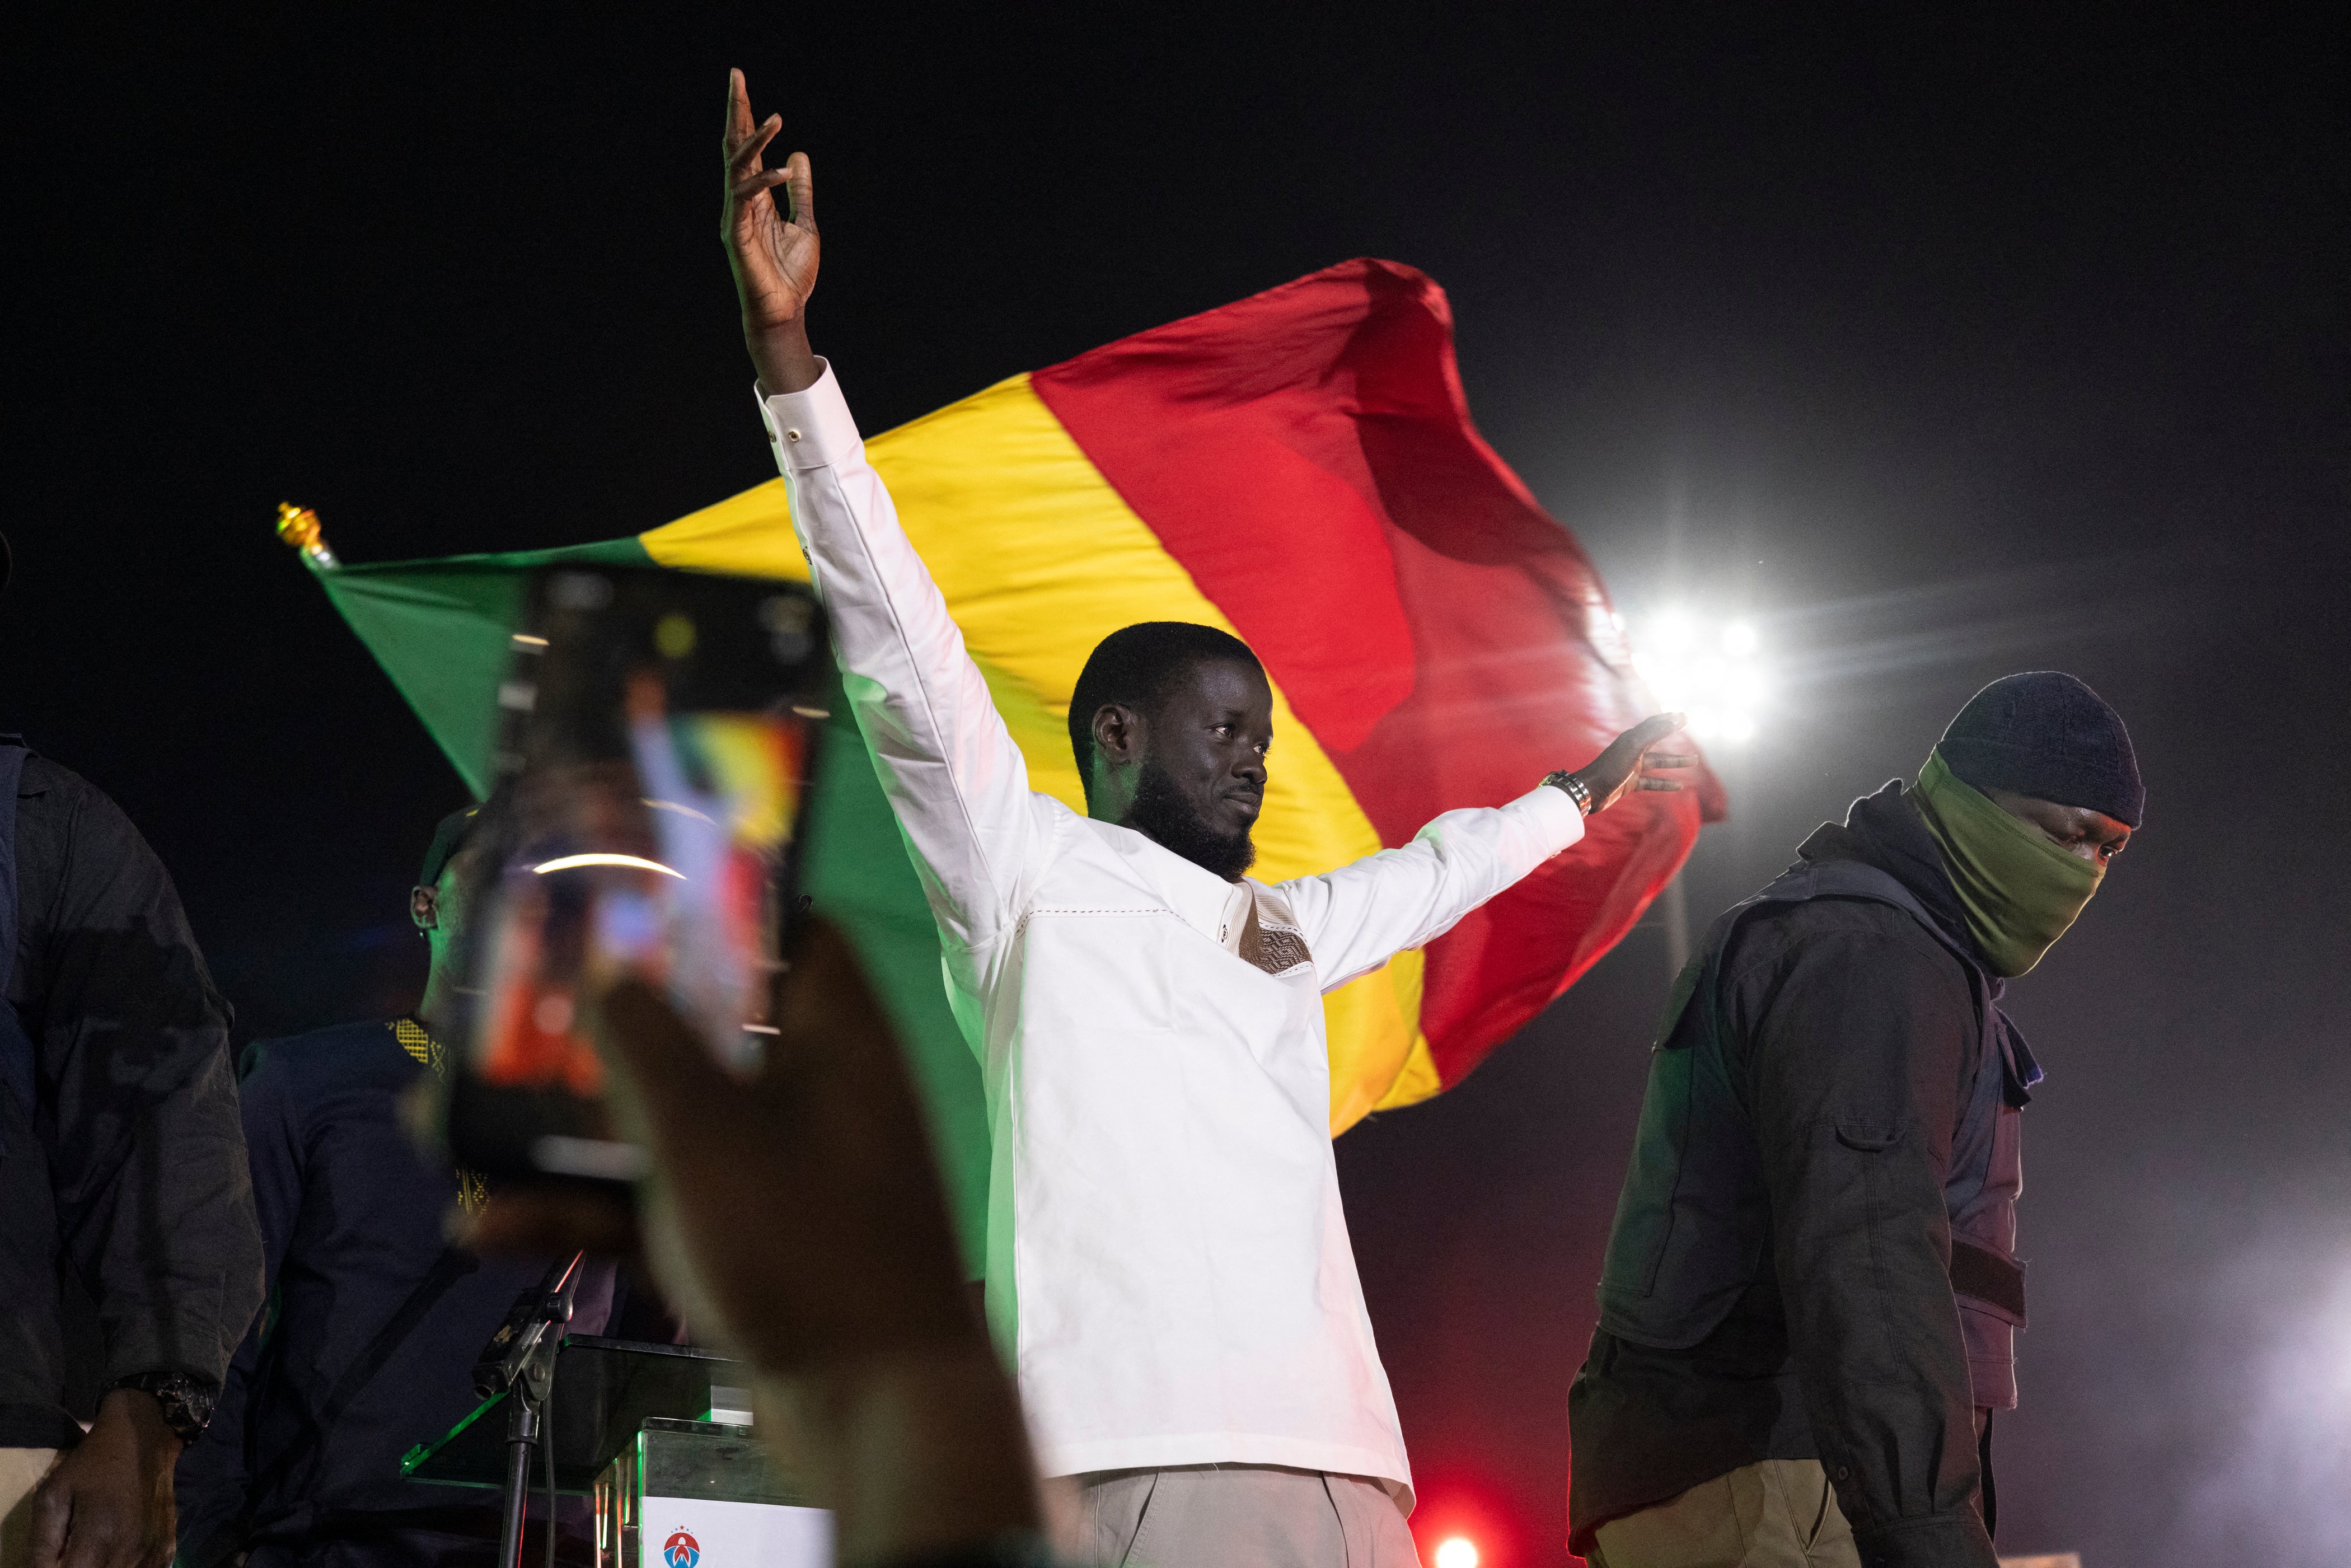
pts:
pixel 1677 921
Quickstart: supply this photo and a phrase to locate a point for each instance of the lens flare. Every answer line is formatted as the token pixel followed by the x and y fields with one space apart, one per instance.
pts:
pixel 573 863
pixel 1458 1551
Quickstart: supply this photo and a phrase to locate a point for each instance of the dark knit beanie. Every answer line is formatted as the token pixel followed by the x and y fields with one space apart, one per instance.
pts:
pixel 2046 735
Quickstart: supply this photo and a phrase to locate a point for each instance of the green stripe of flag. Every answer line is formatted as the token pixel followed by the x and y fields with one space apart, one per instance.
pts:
pixel 440 629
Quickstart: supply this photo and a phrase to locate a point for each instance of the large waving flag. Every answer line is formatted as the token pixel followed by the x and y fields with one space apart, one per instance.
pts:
pixel 1298 468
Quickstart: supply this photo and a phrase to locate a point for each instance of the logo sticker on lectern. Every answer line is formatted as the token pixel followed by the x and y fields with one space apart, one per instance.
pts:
pixel 681 1551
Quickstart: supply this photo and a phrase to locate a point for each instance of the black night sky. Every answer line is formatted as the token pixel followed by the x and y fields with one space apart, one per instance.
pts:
pixel 1937 352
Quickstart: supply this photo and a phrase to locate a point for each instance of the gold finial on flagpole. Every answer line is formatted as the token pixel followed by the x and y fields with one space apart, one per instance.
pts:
pixel 298 526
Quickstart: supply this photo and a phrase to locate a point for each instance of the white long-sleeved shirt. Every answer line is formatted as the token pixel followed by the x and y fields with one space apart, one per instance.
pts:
pixel 1169 1264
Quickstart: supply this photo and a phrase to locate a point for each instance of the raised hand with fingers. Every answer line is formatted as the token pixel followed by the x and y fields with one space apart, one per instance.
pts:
pixel 1626 765
pixel 773 251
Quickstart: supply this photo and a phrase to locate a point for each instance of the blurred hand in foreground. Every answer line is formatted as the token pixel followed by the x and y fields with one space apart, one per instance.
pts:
pixel 797 1221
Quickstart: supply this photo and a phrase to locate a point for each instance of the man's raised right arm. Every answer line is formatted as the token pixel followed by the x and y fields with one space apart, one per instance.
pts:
pixel 954 775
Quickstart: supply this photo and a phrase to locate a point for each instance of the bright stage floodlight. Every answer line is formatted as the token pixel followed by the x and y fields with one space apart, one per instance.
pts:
pixel 1706 666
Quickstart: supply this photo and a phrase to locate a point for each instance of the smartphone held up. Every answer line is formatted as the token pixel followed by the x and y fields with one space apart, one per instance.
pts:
pixel 658 738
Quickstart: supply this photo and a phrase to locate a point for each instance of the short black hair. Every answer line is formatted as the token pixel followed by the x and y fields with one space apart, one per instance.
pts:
pixel 1132 667
pixel 449 837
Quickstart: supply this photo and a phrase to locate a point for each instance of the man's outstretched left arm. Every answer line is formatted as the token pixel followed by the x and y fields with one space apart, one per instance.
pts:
pixel 1359 916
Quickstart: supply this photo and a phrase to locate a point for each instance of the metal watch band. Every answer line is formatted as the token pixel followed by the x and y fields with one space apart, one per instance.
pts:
pixel 1577 791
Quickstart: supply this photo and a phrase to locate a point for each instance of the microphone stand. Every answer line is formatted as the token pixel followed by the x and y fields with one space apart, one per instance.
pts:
pixel 520 1361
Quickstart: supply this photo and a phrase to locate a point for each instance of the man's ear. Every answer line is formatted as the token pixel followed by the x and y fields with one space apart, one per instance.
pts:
pixel 425 908
pixel 1118 735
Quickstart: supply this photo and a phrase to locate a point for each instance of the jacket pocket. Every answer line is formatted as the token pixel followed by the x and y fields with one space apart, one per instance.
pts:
pixel 1869 1137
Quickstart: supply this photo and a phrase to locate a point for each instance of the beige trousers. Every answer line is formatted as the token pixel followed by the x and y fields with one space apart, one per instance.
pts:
pixel 21 1470
pixel 1234 1516
pixel 1780 1513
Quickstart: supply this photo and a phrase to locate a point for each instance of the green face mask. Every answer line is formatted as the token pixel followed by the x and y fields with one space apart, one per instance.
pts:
pixel 2020 892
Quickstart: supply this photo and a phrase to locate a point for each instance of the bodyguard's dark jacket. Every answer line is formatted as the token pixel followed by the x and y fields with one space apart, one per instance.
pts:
pixel 374 1322
pixel 125 1221
pixel 1835 1097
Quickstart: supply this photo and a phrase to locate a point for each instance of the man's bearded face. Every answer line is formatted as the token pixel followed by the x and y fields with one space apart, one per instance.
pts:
pixel 1202 782
pixel 1164 810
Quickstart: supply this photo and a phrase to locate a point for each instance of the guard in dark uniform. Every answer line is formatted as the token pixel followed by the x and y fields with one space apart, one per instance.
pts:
pixel 373 1321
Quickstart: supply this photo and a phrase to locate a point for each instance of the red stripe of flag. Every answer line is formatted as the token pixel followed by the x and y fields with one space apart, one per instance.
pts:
pixel 1307 455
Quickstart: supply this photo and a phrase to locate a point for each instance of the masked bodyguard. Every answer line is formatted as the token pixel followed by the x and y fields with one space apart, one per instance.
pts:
pixel 1811 1291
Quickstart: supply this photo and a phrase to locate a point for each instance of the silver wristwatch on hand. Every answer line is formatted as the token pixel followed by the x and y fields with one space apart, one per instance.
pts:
pixel 1577 791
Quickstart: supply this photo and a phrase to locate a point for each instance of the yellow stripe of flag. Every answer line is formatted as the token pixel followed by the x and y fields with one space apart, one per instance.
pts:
pixel 1039 560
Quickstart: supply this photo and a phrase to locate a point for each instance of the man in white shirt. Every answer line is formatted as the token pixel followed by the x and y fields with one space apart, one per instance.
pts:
pixel 1168 1265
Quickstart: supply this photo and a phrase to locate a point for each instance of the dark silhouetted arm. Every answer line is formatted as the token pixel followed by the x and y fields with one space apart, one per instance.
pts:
pixel 1858 1049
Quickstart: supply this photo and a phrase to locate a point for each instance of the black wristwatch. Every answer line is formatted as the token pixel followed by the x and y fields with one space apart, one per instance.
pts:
pixel 187 1404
